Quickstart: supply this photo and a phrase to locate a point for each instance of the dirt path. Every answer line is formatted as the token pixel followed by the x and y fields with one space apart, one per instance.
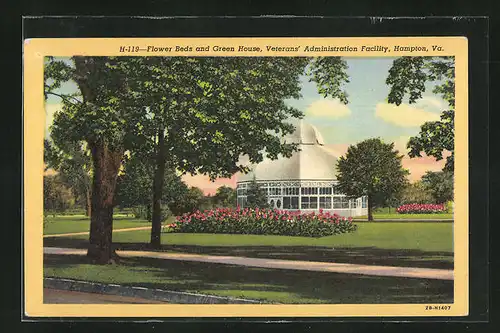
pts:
pixel 373 270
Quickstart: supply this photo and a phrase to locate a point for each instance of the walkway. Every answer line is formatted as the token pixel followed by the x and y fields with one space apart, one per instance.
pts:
pixel 409 272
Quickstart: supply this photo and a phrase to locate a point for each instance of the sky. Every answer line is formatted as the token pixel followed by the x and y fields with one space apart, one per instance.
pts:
pixel 367 115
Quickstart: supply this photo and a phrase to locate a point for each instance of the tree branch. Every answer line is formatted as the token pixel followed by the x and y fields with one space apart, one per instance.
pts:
pixel 63 97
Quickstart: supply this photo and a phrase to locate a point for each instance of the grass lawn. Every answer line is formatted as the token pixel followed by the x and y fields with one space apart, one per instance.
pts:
pixel 395 216
pixel 282 286
pixel 409 244
pixel 77 223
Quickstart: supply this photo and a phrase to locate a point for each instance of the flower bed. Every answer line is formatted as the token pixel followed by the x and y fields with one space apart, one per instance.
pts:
pixel 262 222
pixel 422 209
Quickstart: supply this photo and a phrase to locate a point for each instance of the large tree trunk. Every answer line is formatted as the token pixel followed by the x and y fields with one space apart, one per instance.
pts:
pixel 370 208
pixel 88 202
pixel 159 178
pixel 106 165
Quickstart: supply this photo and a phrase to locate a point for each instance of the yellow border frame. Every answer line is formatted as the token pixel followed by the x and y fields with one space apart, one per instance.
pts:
pixel 34 119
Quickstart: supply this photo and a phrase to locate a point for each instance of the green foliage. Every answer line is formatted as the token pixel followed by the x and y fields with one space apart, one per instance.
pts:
pixel 134 189
pixel 449 207
pixel 225 197
pixel 57 197
pixel 330 74
pixel 190 202
pixel 256 196
pixel 145 212
pixel 212 109
pixel 134 184
pixel 198 115
pixel 408 76
pixel 73 163
pixel 371 168
pixel 435 138
pixel 440 185
pixel 98 112
pixel 416 193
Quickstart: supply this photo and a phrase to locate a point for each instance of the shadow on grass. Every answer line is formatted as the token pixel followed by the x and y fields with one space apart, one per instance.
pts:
pixel 358 255
pixel 284 286
pixel 79 217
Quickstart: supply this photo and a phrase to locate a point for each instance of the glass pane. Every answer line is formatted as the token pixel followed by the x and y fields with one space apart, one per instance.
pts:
pixel 278 203
pixel 286 203
pixel 337 202
pixel 304 203
pixel 325 202
pixel 313 202
pixel 325 190
pixel 295 202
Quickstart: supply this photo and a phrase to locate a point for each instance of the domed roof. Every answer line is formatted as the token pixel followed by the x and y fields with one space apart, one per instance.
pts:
pixel 304 134
pixel 313 161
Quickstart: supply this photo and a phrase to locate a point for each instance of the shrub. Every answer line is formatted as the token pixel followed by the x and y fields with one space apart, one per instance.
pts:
pixel 422 209
pixel 145 212
pixel 262 222
pixel 449 207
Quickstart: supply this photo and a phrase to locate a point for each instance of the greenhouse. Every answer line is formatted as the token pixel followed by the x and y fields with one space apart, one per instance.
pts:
pixel 306 181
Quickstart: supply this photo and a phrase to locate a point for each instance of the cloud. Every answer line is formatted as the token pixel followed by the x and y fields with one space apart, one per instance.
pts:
pixel 431 103
pixel 328 108
pixel 404 115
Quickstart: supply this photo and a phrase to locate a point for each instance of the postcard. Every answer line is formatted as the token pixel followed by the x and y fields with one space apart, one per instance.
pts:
pixel 246 177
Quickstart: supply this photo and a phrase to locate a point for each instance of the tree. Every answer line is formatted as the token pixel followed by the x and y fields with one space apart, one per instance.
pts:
pixel 416 193
pixel 440 185
pixel 256 196
pixel 371 168
pixel 202 114
pixel 73 163
pixel 408 76
pixel 189 203
pixel 225 197
pixel 134 187
pixel 97 116
pixel 198 114
pixel 57 197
